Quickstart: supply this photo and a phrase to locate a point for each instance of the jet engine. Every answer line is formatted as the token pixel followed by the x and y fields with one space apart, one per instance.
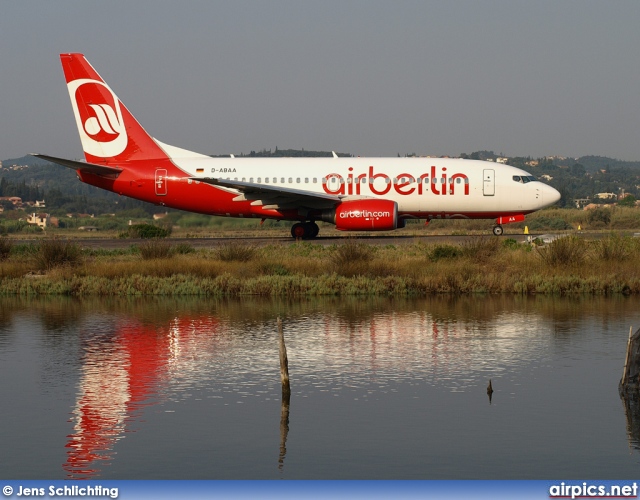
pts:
pixel 364 215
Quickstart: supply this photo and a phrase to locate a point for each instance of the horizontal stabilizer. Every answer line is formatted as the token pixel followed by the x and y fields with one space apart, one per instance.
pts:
pixel 91 168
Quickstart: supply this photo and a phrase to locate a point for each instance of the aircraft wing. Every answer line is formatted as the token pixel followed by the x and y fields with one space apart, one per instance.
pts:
pixel 92 168
pixel 274 197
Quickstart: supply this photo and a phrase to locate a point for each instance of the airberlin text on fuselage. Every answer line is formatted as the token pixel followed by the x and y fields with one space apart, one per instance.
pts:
pixel 403 184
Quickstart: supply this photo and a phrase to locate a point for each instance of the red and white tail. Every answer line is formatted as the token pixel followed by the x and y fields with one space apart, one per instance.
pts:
pixel 108 131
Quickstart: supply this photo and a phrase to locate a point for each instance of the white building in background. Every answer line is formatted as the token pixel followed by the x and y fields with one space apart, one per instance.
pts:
pixel 41 220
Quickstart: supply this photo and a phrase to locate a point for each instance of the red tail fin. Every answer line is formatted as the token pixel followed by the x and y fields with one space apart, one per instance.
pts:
pixel 108 131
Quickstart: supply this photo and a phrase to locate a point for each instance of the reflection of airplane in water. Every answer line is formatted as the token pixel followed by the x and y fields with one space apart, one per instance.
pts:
pixel 122 372
pixel 133 365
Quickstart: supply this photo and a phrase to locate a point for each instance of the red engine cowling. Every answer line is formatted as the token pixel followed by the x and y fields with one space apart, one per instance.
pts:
pixel 365 215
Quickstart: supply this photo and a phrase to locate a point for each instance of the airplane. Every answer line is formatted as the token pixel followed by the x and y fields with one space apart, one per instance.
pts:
pixel 353 193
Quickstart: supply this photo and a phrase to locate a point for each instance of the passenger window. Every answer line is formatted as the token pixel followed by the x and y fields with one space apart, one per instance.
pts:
pixel 298 180
pixel 290 180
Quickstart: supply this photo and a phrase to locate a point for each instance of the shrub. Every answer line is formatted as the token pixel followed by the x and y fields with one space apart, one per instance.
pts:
pixel 599 217
pixel 183 249
pixel 155 249
pixel 235 252
pixel 350 252
pixel 481 248
pixel 510 243
pixel 5 248
pixel 553 223
pixel 614 248
pixel 563 251
pixel 352 258
pixel 146 231
pixel 438 252
pixel 54 252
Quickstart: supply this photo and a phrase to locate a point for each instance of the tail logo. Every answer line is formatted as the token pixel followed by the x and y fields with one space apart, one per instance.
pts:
pixel 99 118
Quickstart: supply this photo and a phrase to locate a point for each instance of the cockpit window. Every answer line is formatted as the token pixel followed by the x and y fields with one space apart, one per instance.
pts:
pixel 523 179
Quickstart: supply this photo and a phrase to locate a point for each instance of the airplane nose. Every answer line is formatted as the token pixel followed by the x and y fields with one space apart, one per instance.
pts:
pixel 551 195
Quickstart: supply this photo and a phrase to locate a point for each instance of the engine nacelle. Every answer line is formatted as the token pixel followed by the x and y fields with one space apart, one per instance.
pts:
pixel 364 215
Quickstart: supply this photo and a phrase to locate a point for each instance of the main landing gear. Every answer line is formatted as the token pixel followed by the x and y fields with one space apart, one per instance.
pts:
pixel 305 230
pixel 497 230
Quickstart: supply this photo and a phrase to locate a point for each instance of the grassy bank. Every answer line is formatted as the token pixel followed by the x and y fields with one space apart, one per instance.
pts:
pixel 569 265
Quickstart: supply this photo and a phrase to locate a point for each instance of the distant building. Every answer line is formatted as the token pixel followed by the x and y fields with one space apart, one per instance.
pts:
pixel 582 202
pixel 502 160
pixel 606 196
pixel 546 177
pixel 532 163
pixel 41 220
pixel 16 200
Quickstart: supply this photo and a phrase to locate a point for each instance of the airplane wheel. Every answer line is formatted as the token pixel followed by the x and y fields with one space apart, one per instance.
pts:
pixel 311 230
pixel 298 230
pixel 497 230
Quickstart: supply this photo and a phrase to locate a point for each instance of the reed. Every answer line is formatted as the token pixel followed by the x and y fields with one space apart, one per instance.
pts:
pixel 570 265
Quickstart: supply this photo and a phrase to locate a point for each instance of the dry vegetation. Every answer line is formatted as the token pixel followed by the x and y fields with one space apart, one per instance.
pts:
pixel 478 265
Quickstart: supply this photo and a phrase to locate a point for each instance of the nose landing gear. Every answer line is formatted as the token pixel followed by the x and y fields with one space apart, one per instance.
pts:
pixel 497 230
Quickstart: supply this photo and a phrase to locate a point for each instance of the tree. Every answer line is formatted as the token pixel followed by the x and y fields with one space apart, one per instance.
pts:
pixel 627 201
pixel 577 170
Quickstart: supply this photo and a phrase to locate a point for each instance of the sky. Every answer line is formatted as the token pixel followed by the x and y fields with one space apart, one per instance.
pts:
pixel 370 78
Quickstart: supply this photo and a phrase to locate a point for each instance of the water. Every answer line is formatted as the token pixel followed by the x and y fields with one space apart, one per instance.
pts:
pixel 381 388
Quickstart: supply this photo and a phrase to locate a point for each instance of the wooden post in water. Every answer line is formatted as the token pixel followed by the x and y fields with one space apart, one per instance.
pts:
pixel 286 396
pixel 626 359
pixel 284 362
